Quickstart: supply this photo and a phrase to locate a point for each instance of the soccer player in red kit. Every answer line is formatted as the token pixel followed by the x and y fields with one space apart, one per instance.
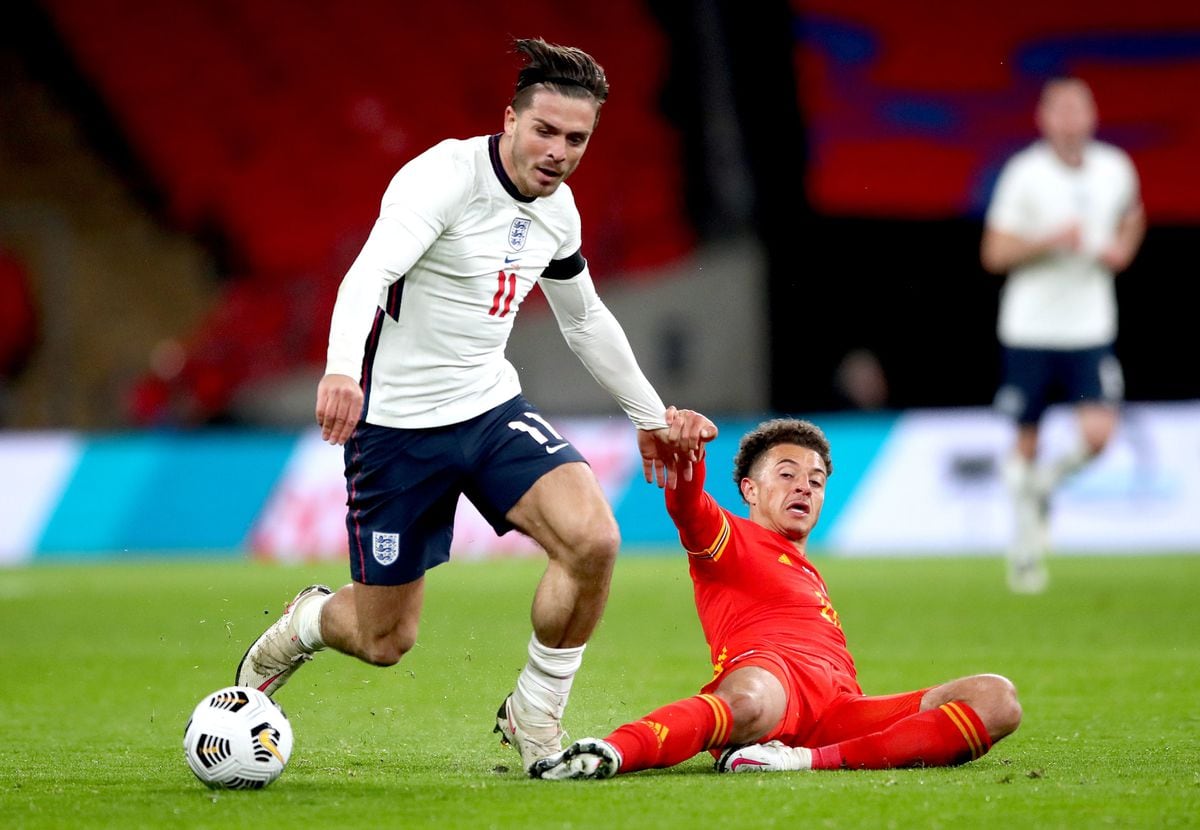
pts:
pixel 784 693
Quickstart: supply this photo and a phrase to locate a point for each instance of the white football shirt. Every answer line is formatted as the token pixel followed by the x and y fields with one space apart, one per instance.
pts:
pixel 424 313
pixel 1065 300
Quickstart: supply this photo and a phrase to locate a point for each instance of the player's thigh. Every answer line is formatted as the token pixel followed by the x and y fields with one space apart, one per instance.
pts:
pixel 852 716
pixel 566 513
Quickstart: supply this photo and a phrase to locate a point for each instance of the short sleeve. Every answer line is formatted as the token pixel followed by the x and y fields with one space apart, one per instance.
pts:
pixel 1004 210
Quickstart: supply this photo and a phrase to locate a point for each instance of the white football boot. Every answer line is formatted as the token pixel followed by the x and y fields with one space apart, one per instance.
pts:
pixel 532 743
pixel 274 657
pixel 586 758
pixel 772 756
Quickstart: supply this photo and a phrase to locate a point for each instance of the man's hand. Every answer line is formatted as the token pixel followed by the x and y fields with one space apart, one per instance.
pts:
pixel 1002 251
pixel 339 406
pixel 1068 240
pixel 1130 232
pixel 1117 257
pixel 667 452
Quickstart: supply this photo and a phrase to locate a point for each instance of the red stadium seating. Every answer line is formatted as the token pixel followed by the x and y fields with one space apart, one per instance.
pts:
pixel 279 123
pixel 20 326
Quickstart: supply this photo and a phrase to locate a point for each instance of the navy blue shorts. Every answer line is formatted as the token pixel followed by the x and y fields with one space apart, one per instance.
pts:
pixel 403 485
pixel 1036 378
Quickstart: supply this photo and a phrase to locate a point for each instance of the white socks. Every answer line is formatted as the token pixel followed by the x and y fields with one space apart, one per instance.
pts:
pixel 1049 476
pixel 1021 476
pixel 801 758
pixel 306 621
pixel 1018 473
pixel 545 683
pixel 1024 476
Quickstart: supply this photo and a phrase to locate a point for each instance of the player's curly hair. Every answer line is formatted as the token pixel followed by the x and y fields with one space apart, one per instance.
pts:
pixel 759 440
pixel 564 69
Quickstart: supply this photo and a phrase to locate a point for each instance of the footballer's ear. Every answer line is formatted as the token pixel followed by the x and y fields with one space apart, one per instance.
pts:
pixel 749 490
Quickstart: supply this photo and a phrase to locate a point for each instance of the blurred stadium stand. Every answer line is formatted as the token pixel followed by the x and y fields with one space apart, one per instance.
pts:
pixel 188 181
pixel 108 279
pixel 271 129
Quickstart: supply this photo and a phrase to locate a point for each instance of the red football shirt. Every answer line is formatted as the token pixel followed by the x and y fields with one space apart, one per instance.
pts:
pixel 754 589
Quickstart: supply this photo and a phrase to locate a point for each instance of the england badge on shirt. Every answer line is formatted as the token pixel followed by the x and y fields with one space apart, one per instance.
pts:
pixel 518 232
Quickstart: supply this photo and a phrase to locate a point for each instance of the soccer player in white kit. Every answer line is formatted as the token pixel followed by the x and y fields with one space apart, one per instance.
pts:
pixel 1066 217
pixel 418 390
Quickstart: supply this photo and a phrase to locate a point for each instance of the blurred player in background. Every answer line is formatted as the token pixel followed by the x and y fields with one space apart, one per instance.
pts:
pixel 418 389
pixel 1066 217
pixel 784 694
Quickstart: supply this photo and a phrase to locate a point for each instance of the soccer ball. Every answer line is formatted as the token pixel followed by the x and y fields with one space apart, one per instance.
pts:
pixel 237 738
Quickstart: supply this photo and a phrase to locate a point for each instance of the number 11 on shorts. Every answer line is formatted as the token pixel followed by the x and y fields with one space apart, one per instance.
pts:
pixel 537 434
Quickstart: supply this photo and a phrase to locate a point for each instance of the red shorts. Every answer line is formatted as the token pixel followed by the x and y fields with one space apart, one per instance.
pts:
pixel 824 706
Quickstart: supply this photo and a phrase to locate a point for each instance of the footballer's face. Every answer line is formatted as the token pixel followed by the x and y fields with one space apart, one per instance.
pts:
pixel 1067 118
pixel 543 143
pixel 786 490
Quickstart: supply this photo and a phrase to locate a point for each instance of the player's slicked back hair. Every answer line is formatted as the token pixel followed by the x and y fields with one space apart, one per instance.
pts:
pixel 1060 83
pixel 759 440
pixel 563 69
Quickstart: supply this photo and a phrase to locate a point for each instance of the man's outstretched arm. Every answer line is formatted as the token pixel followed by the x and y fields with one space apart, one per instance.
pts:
pixel 596 337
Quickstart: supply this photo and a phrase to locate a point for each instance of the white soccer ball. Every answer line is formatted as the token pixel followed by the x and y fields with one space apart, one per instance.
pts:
pixel 237 738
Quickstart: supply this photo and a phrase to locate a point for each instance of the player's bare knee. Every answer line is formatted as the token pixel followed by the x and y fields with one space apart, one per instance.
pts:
pixel 751 715
pixel 387 651
pixel 757 701
pixel 1096 429
pixel 997 704
pixel 992 697
pixel 592 552
pixel 1008 716
pixel 605 543
pixel 1096 441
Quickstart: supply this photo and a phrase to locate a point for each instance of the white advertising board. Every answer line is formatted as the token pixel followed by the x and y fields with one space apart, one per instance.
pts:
pixel 34 469
pixel 936 487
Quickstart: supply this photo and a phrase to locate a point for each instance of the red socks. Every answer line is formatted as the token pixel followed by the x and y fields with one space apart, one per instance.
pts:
pixel 950 734
pixel 673 733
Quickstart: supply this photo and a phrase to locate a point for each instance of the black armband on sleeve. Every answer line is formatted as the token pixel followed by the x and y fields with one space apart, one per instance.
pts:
pixel 564 269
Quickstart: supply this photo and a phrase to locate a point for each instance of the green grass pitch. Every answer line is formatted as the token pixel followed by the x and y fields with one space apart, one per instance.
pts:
pixel 101 665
